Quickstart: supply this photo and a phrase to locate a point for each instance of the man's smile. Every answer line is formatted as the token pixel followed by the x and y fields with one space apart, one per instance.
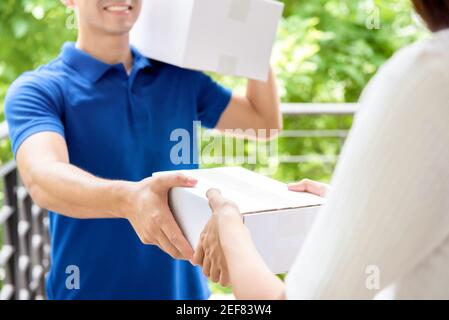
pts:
pixel 118 8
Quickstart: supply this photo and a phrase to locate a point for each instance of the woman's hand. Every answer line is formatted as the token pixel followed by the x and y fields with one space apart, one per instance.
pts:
pixel 310 186
pixel 209 252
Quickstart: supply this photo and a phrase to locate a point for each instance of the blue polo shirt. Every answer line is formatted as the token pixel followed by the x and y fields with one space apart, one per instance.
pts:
pixel 116 126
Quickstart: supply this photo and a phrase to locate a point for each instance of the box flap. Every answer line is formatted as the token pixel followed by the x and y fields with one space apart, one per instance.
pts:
pixel 251 192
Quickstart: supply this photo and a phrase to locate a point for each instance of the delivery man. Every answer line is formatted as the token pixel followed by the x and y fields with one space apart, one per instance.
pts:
pixel 89 129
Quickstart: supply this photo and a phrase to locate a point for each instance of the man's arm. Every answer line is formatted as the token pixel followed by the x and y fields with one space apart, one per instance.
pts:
pixel 259 109
pixel 57 185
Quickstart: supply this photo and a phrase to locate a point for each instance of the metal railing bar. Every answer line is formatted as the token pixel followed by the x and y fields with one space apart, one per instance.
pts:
pixel 36 211
pixel 319 108
pixel 5 213
pixel 36 275
pixel 22 193
pixel 3 131
pixel 7 168
pixel 328 108
pixel 24 263
pixel 23 228
pixel 314 134
pixel 7 292
pixel 307 158
pixel 36 241
pixel 6 252
pixel 24 294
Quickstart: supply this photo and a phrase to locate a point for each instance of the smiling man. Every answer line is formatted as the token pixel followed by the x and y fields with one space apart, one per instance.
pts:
pixel 89 129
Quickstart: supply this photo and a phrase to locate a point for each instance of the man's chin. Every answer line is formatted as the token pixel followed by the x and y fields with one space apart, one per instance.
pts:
pixel 118 31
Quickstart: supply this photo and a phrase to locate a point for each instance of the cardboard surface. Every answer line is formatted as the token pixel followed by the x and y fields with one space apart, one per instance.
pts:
pixel 231 37
pixel 277 219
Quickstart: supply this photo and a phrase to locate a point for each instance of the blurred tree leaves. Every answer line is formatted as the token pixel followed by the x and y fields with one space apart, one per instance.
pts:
pixel 327 50
pixel 31 34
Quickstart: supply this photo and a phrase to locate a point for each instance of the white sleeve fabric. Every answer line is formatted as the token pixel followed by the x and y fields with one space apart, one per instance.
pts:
pixel 388 207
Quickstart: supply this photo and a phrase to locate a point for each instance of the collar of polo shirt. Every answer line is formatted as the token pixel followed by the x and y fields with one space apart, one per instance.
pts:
pixel 94 69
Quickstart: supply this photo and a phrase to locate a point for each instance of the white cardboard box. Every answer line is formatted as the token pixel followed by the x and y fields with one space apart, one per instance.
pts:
pixel 277 219
pixel 232 37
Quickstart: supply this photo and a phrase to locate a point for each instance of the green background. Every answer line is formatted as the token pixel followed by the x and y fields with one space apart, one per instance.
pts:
pixel 326 51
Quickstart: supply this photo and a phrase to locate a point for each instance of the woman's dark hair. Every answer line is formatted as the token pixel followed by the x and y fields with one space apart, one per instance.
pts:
pixel 434 12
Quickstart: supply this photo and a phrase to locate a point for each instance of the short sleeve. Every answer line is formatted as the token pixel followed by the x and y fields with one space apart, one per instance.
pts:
pixel 32 105
pixel 212 100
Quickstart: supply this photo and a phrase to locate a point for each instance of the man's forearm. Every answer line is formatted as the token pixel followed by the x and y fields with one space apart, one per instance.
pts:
pixel 263 96
pixel 66 189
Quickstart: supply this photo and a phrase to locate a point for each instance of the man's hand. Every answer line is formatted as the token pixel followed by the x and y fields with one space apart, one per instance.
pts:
pixel 56 185
pixel 209 253
pixel 152 219
pixel 310 186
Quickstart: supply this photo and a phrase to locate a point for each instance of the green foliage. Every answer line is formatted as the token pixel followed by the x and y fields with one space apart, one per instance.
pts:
pixel 324 53
pixel 327 51
pixel 31 34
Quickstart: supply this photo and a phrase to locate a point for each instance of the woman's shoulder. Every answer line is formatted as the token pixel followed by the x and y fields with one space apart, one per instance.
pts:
pixel 410 89
pixel 425 55
pixel 422 66
pixel 428 54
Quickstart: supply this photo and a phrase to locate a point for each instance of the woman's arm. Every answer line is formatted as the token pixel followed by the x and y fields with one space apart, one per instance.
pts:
pixel 388 208
pixel 387 211
pixel 228 255
pixel 248 273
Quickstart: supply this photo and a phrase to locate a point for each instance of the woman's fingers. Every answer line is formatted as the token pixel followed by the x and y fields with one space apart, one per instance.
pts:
pixel 224 278
pixel 216 200
pixel 214 273
pixel 221 205
pixel 310 186
pixel 206 267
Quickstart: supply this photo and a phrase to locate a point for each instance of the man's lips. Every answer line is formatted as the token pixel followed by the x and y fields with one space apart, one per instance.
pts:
pixel 118 8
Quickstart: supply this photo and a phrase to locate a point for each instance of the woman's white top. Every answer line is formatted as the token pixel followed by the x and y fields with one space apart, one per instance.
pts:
pixel 385 227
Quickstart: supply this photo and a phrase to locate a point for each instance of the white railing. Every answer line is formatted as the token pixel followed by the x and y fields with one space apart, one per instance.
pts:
pixel 315 109
pixel 319 108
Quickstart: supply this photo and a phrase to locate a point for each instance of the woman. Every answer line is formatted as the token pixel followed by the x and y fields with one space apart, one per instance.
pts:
pixel 386 221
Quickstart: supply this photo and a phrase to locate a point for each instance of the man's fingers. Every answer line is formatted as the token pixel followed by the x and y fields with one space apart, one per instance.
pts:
pixel 304 185
pixel 165 245
pixel 310 186
pixel 297 186
pixel 167 181
pixel 174 234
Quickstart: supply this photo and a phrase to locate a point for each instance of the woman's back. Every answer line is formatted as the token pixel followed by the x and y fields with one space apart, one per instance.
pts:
pixel 386 223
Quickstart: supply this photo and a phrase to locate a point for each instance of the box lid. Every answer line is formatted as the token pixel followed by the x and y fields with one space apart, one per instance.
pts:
pixel 252 192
